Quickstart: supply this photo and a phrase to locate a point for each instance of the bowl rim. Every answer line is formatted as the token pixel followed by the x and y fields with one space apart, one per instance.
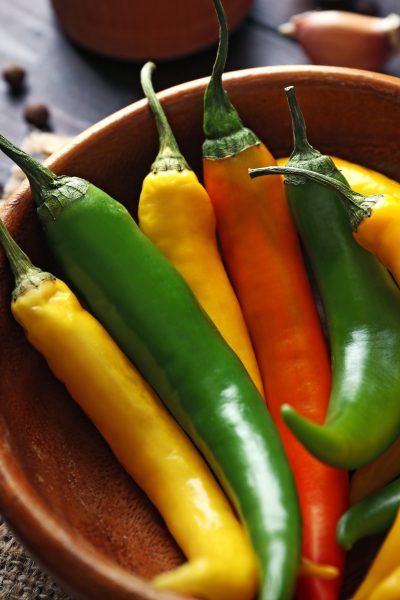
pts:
pixel 27 514
pixel 299 73
pixel 22 507
pixel 389 83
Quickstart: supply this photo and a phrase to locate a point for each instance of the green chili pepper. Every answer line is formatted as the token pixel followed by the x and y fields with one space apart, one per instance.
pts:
pixel 362 306
pixel 152 314
pixel 373 514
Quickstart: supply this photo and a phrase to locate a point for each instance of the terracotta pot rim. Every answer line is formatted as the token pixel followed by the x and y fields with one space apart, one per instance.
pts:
pixel 306 74
pixel 32 521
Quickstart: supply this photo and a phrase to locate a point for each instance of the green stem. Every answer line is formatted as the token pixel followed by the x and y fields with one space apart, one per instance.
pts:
pixel 221 119
pixel 50 192
pixel 39 177
pixel 357 205
pixel 169 156
pixel 216 101
pixel 301 144
pixel 25 274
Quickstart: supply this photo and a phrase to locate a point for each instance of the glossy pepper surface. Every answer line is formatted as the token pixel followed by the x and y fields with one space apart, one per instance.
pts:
pixel 373 514
pixel 362 307
pixel 264 261
pixel 384 565
pixel 153 316
pixel 140 431
pixel 176 213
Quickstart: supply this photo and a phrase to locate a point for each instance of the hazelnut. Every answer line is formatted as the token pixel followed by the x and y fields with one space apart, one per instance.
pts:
pixel 14 76
pixel 37 114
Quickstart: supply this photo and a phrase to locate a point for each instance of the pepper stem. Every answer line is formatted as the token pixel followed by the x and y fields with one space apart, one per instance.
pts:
pixel 221 119
pixel 357 205
pixel 26 275
pixel 220 116
pixel 301 144
pixel 39 176
pixel 169 156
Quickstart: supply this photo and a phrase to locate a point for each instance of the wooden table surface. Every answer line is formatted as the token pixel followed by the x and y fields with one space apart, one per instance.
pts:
pixel 80 88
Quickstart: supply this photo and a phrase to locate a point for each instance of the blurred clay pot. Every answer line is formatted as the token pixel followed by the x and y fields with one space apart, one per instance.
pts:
pixel 139 29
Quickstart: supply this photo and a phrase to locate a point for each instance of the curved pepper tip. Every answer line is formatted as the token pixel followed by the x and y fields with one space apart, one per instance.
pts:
pixel 322 441
pixel 342 534
pixel 211 579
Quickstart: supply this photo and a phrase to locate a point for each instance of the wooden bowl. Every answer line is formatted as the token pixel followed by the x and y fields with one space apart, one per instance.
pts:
pixel 140 30
pixel 61 489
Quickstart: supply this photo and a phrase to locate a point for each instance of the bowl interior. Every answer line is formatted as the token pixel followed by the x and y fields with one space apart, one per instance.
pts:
pixel 60 487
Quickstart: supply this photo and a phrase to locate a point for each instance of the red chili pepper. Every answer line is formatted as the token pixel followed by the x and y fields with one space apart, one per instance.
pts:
pixel 264 260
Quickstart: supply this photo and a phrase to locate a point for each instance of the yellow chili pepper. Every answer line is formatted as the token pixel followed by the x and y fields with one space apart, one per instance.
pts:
pixel 141 433
pixel 361 179
pixel 366 181
pixel 389 589
pixel 386 561
pixel 176 213
pixel 379 233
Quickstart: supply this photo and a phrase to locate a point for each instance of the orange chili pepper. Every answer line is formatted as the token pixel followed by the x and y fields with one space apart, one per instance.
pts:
pixel 176 213
pixel 264 260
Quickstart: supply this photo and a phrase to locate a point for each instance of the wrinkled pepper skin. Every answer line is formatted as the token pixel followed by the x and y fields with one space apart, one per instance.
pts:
pixel 262 254
pixel 366 181
pixel 362 307
pixel 176 214
pixel 386 563
pixel 144 438
pixel 361 179
pixel 151 313
pixel 373 514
